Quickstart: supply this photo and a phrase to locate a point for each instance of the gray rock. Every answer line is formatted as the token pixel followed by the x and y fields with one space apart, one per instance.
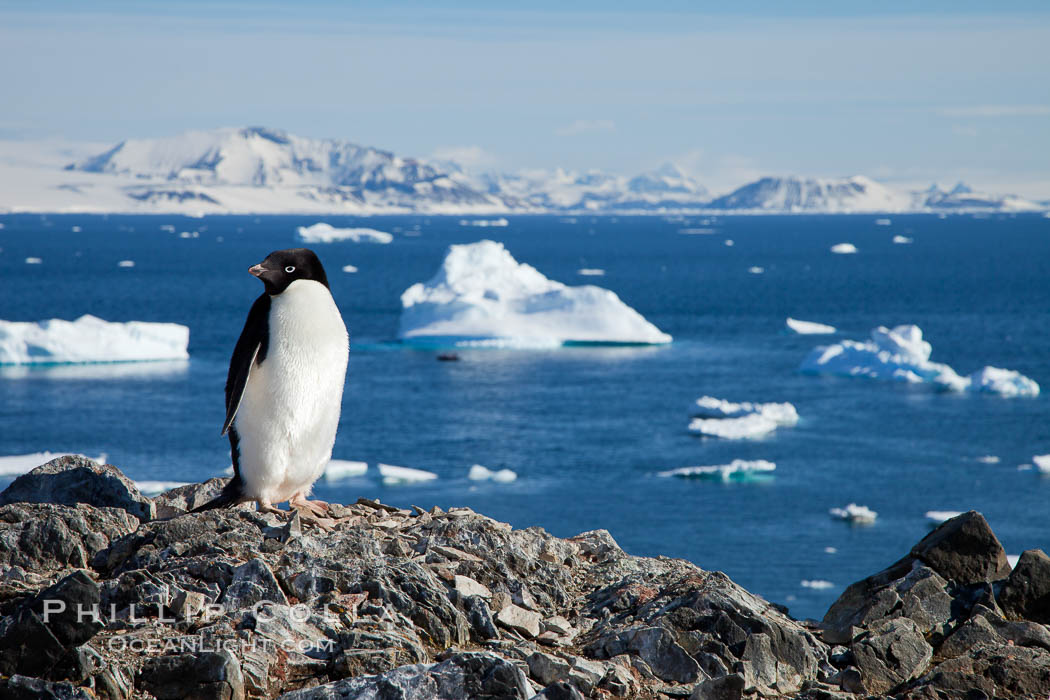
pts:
pixel 72 480
pixel 559 691
pixel 965 550
pixel 891 654
pixel 204 676
pixel 1026 592
pixel 997 672
pixel 23 688
pixel 657 647
pixel 252 583
pixel 474 675
pixel 520 620
pixel 724 688
pixel 42 538
pixel 70 609
pixel 182 499
pixel 27 646
pixel 467 586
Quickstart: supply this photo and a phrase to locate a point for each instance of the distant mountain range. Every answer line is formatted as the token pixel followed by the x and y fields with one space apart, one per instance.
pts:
pixel 257 170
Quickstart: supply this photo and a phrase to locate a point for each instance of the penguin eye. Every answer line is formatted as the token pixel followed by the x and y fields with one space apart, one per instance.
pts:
pixel 290 269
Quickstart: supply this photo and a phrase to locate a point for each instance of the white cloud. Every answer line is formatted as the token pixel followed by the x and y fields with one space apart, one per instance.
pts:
pixel 584 126
pixel 997 111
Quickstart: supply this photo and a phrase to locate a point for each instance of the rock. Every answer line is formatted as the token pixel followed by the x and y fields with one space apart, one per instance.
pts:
pixel 724 688
pixel 463 675
pixel 997 672
pixel 72 480
pixel 44 537
pixel 558 691
pixel 655 646
pixel 965 550
pixel 520 620
pixel 479 616
pixel 252 583
pixel 1026 592
pixel 182 499
pixel 70 609
pixel 891 654
pixel 23 688
pixel 203 676
pixel 27 646
pixel 467 586
pixel 546 668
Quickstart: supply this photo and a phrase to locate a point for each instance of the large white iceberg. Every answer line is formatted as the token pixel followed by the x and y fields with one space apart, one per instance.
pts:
pixel 1042 463
pixel 16 465
pixel 710 407
pixel 90 339
pixel 737 470
pixel 744 427
pixel 482 295
pixel 326 233
pixel 808 327
pixel 900 354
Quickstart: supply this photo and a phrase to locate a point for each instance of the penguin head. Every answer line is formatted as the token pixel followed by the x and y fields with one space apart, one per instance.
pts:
pixel 282 267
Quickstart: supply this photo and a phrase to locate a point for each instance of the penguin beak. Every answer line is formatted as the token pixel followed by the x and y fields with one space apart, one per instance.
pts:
pixel 257 270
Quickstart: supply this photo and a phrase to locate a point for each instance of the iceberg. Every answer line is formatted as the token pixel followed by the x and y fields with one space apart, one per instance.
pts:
pixel 16 465
pixel 988 459
pixel 485 223
pixel 90 339
pixel 900 354
pixel 349 268
pixel 404 475
pixel 809 327
pixel 710 407
pixel 338 469
pixel 34 261
pixel 591 272
pixel 844 248
pixel 126 263
pixel 326 233
pixel 756 270
pixel 936 517
pixel 480 473
pixel 853 513
pixel 1012 559
pixel 483 296
pixel 729 242
pixel 745 427
pixel 737 470
pixel 155 488
pixel 817 584
pixel 1042 463
pixel 902 240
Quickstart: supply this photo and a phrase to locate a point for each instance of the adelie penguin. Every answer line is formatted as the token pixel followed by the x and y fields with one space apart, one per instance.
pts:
pixel 285 387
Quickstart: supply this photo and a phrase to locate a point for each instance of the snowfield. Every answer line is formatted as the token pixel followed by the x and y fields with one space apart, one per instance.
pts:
pixel 90 339
pixel 481 296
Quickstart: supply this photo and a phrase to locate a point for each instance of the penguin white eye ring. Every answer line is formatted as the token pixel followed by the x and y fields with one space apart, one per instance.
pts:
pixel 284 389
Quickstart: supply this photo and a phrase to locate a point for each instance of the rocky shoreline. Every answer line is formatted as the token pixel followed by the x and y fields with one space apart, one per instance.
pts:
pixel 105 593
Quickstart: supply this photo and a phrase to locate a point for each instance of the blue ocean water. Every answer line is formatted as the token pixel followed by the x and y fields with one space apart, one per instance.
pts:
pixel 588 428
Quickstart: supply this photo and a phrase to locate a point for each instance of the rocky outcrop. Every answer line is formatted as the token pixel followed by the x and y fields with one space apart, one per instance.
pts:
pixel 403 604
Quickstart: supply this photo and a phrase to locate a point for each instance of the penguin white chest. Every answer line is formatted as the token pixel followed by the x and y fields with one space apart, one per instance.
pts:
pixel 289 413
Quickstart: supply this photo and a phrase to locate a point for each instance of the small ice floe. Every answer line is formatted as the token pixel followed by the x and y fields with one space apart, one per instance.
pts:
pixel 344 469
pixel 936 517
pixel 486 223
pixel 830 550
pixel 34 261
pixel 900 354
pixel 729 242
pixel 902 240
pixel 126 263
pixel 90 339
pixel 817 584
pixel 988 459
pixel 844 248
pixel 16 465
pixel 737 470
pixel 189 234
pixel 710 407
pixel 326 233
pixel 404 475
pixel 75 229
pixel 168 228
pixel 809 327
pixel 883 222
pixel 756 270
pixel 155 488
pixel 1042 463
pixel 860 515
pixel 480 473
pixel 1012 559
pixel 696 231
pixel 1024 467
pixel 349 268
pixel 591 272
pixel 745 427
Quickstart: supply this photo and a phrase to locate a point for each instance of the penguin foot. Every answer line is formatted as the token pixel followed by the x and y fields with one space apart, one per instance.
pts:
pixel 317 508
pixel 267 507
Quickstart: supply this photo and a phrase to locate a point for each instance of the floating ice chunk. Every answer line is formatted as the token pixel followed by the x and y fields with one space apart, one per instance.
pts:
pixel 809 327
pixel 154 488
pixel 90 339
pixel 480 473
pixel 853 513
pixel 883 222
pixel 988 459
pixel 591 272
pixel 817 584
pixel 326 233
pixel 15 465
pixel 737 470
pixel 710 407
pixel 696 231
pixel 1042 463
pixel 75 229
pixel 344 469
pixel 126 263
pixel 1005 382
pixel 1012 559
pixel 486 223
pixel 745 427
pixel 756 270
pixel 844 248
pixel 167 227
pixel 34 261
pixel 349 268
pixel 481 293
pixel 936 517
pixel 1024 467
pixel 902 355
pixel 902 240
pixel 404 475
pixel 729 242
pixel 189 234
pixel 831 550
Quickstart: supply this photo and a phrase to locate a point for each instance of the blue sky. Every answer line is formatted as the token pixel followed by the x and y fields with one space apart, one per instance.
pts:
pixel 959 90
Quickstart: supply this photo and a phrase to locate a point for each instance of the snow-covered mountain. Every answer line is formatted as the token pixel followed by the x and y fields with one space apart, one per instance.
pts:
pixel 794 194
pixel 962 196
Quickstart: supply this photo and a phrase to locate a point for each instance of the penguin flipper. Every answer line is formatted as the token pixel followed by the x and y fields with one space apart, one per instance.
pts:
pixel 250 350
